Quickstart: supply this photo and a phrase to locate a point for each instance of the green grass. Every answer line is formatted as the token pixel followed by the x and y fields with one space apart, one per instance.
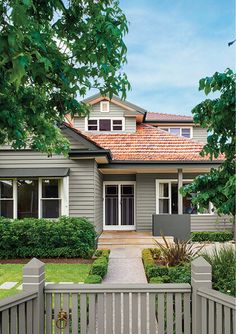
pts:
pixel 54 273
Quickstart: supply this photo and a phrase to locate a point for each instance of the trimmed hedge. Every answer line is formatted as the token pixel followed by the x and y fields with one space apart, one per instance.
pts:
pixel 93 279
pixel 162 274
pixel 212 236
pixel 99 267
pixel 65 237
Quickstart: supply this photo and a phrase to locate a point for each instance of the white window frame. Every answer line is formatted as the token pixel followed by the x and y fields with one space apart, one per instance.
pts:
pixel 63 192
pixel 11 198
pixel 119 226
pixel 181 128
pixel 104 103
pixel 101 118
pixel 169 181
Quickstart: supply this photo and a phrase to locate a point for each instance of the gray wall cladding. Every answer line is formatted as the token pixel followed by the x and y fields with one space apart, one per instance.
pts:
pixel 115 111
pixel 200 134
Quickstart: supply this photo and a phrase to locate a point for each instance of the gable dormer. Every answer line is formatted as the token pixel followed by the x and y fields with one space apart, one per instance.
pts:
pixel 110 116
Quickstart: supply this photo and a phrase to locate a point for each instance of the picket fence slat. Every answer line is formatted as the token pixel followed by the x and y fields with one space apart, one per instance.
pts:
pixel 227 320
pixel 118 313
pixel 218 318
pixel 169 312
pixel 160 312
pixel 100 310
pixel 135 313
pixel 66 308
pixel 204 315
pixel 75 313
pixel 187 313
pixel 143 310
pixel 5 321
pixel 211 319
pixel 92 314
pixel 83 313
pixel 109 313
pixel 22 322
pixel 152 313
pixel 178 313
pixel 57 309
pixel 126 313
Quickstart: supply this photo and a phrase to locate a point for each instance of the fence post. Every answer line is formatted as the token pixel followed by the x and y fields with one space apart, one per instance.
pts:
pixel 34 280
pixel 201 277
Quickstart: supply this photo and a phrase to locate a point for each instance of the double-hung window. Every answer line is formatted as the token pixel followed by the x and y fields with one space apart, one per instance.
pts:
pixel 167 199
pixel 105 124
pixel 6 198
pixel 31 198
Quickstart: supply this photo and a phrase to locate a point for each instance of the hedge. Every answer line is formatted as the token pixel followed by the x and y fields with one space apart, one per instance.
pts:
pixel 99 267
pixel 212 236
pixel 65 237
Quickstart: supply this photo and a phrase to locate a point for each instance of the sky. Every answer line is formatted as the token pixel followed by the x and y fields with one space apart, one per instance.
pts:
pixel 171 45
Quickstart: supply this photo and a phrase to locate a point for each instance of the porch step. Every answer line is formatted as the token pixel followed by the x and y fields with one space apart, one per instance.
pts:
pixel 125 239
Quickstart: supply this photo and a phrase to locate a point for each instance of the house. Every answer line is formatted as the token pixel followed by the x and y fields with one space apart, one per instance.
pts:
pixel 125 164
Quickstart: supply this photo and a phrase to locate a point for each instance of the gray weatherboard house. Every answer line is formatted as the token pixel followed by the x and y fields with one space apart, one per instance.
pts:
pixel 125 164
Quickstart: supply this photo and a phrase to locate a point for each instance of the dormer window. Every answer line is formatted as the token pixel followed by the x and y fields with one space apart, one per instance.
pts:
pixel 104 106
pixel 182 132
pixel 106 124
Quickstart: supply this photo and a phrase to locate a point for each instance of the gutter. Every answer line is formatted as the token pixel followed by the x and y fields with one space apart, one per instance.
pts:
pixel 88 153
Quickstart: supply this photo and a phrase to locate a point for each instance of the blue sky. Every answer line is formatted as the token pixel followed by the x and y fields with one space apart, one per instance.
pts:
pixel 171 45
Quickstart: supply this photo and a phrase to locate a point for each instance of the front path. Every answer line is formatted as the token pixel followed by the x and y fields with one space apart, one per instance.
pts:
pixel 125 266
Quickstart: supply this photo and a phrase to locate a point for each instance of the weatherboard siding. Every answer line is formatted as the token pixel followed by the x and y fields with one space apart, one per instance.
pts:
pixel 115 111
pixel 200 134
pixel 146 206
pixel 98 199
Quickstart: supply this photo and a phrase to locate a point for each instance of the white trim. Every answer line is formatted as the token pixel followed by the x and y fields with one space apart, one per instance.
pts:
pixel 119 227
pixel 108 106
pixel 108 118
pixel 65 195
pixel 14 198
pixel 179 127
pixel 169 181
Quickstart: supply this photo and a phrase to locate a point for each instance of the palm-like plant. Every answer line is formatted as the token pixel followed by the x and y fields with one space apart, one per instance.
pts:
pixel 177 253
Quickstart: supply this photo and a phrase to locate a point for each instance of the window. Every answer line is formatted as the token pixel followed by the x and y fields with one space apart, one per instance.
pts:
pixel 6 198
pixel 33 198
pixel 27 198
pixel 167 199
pixel 51 200
pixel 104 106
pixel 183 132
pixel 104 124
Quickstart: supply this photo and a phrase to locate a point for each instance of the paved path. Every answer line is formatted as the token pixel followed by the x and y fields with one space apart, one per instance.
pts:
pixel 125 266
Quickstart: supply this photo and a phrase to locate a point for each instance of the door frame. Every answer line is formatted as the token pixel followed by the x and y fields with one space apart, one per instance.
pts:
pixel 119 227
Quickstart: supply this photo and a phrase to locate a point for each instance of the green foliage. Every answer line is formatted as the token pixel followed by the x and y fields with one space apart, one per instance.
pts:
pixel 156 280
pixel 147 257
pixel 180 274
pixel 156 270
pixel 102 253
pixel 93 279
pixel 223 262
pixel 212 236
pixel 52 52
pixel 66 237
pixel 99 267
pixel 177 253
pixel 218 116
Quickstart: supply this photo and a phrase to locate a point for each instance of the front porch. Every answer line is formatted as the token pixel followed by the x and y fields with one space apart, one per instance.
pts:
pixel 121 239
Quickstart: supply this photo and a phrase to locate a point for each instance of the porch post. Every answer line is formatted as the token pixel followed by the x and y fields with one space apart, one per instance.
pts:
pixel 180 198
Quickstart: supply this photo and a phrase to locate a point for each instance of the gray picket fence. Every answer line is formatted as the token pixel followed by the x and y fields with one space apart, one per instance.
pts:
pixel 118 308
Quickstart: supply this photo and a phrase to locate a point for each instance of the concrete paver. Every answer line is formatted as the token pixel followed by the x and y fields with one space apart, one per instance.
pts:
pixel 125 266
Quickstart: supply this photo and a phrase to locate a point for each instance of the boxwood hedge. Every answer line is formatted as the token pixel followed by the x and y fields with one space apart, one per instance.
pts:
pixel 65 237
pixel 220 236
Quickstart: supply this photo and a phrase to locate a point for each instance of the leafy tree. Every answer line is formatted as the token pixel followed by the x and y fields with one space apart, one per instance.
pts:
pixel 218 116
pixel 51 52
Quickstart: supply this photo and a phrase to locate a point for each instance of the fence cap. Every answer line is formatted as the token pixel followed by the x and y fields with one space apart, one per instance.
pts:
pixel 34 267
pixel 200 265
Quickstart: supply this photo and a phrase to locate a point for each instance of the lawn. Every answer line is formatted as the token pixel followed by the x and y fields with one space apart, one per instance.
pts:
pixel 54 273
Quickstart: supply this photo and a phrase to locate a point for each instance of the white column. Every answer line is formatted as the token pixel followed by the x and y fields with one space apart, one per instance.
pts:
pixel 180 198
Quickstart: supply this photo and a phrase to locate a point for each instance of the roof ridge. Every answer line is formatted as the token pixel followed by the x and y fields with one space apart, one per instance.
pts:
pixel 164 113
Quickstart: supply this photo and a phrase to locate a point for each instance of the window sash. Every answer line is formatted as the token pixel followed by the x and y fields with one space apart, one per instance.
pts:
pixel 116 124
pixel 181 131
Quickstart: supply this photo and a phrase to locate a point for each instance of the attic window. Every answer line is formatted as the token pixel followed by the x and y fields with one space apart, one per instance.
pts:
pixel 104 106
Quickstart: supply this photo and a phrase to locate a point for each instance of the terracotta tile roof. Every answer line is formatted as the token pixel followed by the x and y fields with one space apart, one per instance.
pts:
pixel 148 143
pixel 156 116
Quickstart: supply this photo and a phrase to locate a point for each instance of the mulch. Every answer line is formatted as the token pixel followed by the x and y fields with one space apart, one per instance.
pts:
pixel 57 260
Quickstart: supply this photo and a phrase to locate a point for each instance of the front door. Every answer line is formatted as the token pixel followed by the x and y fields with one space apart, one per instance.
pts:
pixel 119 206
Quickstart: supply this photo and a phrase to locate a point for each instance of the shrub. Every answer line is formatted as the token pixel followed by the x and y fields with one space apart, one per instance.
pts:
pixel 147 257
pixel 93 279
pixel 156 280
pixel 65 237
pixel 177 253
pixel 223 262
pixel 102 252
pixel 212 236
pixel 154 271
pixel 180 274
pixel 100 266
